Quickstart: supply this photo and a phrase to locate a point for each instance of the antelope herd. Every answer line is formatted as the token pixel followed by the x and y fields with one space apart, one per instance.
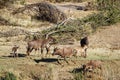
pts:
pixel 41 44
pixel 64 52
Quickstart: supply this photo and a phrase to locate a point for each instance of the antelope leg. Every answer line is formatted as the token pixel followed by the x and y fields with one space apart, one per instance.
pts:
pixel 42 52
pixel 73 61
pixel 48 51
pixel 66 60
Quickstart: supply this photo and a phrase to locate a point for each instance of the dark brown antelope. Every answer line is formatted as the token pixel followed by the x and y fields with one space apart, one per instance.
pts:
pixel 39 44
pixel 14 50
pixel 65 52
pixel 84 44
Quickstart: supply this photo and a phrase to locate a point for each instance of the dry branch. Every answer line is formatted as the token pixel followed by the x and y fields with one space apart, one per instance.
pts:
pixel 63 22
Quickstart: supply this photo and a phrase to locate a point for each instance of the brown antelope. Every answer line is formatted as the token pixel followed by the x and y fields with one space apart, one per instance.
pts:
pixel 84 44
pixel 65 52
pixel 39 43
pixel 14 50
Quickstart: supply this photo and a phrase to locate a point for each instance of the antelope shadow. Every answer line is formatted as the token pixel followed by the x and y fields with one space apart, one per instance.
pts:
pixel 19 55
pixel 47 60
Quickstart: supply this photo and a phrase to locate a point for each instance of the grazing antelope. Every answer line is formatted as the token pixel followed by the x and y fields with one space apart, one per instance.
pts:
pixel 65 52
pixel 39 43
pixel 14 50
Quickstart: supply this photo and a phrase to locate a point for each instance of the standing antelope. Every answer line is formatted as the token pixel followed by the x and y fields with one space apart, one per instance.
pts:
pixel 65 52
pixel 14 50
pixel 39 43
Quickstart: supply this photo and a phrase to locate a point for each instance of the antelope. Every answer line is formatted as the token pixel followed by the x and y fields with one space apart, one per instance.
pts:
pixel 14 50
pixel 39 43
pixel 65 52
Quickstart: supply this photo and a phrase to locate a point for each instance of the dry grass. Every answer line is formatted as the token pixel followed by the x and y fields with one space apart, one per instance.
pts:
pixel 21 19
pixel 25 68
pixel 78 14
pixel 107 37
